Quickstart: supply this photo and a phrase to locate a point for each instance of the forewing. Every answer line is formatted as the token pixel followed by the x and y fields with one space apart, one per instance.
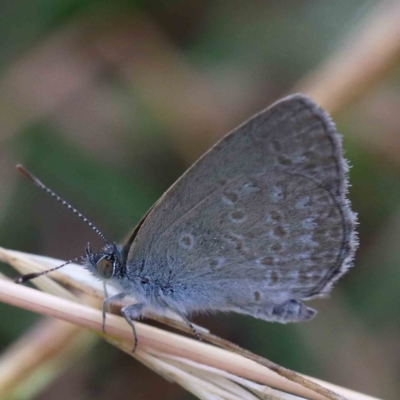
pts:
pixel 264 207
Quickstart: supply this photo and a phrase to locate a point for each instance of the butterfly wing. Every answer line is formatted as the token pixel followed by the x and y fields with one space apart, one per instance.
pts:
pixel 262 217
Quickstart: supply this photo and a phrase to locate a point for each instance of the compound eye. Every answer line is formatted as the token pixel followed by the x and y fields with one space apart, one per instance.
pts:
pixel 105 268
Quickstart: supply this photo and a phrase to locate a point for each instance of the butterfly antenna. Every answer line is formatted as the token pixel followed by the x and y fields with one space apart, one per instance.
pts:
pixel 28 277
pixel 39 184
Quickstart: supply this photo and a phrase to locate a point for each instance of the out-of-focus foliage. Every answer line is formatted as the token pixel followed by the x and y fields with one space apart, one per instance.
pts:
pixel 109 104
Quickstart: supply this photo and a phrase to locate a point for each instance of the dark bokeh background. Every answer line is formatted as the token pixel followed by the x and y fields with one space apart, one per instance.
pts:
pixel 109 104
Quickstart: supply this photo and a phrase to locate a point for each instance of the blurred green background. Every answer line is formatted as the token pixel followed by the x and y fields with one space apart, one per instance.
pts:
pixel 109 103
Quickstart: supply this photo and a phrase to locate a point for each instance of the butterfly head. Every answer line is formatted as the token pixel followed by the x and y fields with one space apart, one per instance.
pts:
pixel 105 264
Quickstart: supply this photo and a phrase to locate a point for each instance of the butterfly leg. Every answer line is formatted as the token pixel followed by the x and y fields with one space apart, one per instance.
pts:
pixel 106 302
pixel 130 313
pixel 190 325
pixel 291 311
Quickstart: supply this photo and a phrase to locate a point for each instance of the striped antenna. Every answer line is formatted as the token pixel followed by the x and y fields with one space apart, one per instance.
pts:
pixel 39 184
pixel 28 277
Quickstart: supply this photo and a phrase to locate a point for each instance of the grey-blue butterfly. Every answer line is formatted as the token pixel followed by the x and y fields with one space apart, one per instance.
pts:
pixel 258 224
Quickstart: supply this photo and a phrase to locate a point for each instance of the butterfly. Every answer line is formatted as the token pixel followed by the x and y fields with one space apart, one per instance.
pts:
pixel 258 224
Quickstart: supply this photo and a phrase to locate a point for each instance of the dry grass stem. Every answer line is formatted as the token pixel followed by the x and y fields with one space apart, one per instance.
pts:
pixel 362 61
pixel 205 370
pixel 50 342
